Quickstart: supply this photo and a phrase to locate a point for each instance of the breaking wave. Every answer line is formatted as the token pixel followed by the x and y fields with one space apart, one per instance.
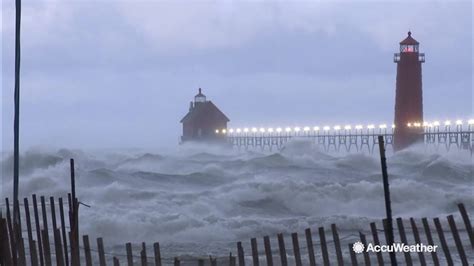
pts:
pixel 207 198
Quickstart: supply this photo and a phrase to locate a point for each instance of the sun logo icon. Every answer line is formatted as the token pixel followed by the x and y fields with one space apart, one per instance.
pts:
pixel 358 247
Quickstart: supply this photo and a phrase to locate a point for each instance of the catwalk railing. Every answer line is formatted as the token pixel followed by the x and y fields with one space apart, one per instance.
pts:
pixel 349 140
pixel 46 240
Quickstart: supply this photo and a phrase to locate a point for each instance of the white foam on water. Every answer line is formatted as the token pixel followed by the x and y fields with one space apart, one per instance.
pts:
pixel 207 198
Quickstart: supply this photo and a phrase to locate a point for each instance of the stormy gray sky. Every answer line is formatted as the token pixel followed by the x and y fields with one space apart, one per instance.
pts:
pixel 115 74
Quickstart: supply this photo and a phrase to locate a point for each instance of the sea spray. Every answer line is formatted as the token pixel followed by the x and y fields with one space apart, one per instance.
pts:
pixel 203 199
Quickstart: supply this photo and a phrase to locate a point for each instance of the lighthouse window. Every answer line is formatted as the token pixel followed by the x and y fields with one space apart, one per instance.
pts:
pixel 408 48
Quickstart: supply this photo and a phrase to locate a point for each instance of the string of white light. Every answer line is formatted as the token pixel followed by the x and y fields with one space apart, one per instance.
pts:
pixel 338 128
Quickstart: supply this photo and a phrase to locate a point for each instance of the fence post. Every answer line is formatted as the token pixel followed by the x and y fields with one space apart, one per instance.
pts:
pixel 388 206
pixel 74 218
pixel 281 245
pixel 309 245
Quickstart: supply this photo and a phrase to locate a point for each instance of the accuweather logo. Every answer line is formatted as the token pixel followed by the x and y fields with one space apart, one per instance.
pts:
pixel 358 247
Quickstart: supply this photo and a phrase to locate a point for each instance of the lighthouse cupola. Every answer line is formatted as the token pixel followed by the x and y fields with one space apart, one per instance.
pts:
pixel 409 47
pixel 200 97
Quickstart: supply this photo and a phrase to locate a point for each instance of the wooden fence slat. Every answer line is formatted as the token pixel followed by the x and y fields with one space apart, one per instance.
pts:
pixel 232 260
pixel 38 230
pixel 403 238
pixel 337 245
pixel 309 245
pixel 353 255
pixel 56 233
pixel 59 248
pixel 253 244
pixel 128 248
pixel 30 233
pixel 69 203
pixel 363 239
pixel 442 239
pixel 45 234
pixel 143 255
pixel 21 251
pixel 429 238
pixel 116 261
pixel 281 246
pixel 63 231
pixel 47 250
pixel 375 236
pixel 296 249
pixel 21 244
pixel 388 233
pixel 11 233
pixel 416 235
pixel 34 254
pixel 156 248
pixel 100 248
pixel 213 261
pixel 75 252
pixel 5 243
pixel 457 240
pixel 240 253
pixel 324 247
pixel 467 223
pixel 268 250
pixel 87 250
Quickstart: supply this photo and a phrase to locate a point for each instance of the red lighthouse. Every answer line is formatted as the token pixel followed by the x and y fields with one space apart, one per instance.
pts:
pixel 409 94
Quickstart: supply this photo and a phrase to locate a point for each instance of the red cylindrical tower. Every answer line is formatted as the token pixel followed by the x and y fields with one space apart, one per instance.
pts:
pixel 409 94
